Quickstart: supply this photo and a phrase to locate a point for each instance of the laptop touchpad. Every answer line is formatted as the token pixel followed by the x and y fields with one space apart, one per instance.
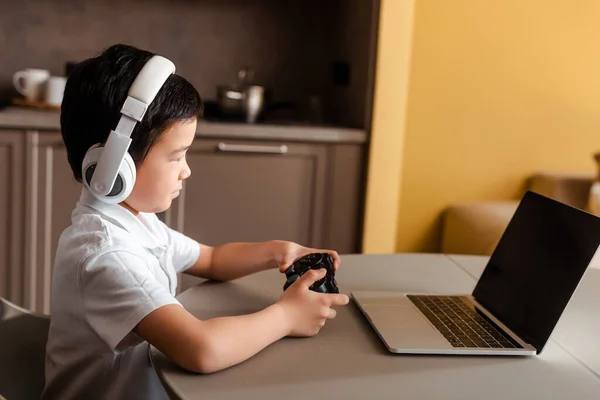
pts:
pixel 401 325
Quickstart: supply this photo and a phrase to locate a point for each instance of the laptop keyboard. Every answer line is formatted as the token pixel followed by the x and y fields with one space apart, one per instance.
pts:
pixel 461 325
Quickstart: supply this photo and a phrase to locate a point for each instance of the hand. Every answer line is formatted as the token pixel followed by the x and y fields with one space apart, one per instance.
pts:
pixel 285 253
pixel 307 311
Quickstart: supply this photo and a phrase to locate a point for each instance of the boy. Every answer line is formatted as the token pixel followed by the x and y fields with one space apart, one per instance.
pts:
pixel 115 269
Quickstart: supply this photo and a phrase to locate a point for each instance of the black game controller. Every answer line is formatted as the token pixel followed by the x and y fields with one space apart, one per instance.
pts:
pixel 313 261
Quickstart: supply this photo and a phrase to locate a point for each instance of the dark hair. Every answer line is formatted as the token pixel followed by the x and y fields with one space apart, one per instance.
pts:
pixel 95 92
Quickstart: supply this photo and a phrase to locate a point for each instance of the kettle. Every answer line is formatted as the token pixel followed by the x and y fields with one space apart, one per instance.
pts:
pixel 242 99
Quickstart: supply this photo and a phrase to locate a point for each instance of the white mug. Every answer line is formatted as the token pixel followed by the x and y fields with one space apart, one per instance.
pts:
pixel 30 83
pixel 55 88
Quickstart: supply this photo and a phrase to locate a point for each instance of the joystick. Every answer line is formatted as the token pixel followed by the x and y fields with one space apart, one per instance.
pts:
pixel 313 261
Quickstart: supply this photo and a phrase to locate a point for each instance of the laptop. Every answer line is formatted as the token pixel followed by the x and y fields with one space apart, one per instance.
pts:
pixel 518 300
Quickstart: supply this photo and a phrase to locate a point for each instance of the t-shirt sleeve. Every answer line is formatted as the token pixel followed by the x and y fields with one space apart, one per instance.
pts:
pixel 185 250
pixel 118 291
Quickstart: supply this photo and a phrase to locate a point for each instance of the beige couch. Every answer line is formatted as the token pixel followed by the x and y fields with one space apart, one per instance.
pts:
pixel 476 228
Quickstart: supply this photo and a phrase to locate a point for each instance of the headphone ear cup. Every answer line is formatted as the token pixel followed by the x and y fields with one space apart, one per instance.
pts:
pixel 124 181
pixel 127 176
pixel 89 164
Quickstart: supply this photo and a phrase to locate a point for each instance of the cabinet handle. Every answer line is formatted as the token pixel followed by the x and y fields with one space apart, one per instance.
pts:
pixel 252 148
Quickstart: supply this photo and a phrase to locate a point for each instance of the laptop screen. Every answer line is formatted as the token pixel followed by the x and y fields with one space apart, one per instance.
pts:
pixel 537 265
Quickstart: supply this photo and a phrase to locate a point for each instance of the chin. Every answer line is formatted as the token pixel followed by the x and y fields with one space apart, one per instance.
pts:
pixel 166 205
pixel 159 208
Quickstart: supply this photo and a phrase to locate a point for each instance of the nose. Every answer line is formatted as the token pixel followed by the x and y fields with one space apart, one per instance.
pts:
pixel 186 172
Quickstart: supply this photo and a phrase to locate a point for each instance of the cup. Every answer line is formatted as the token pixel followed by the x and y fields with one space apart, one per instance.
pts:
pixel 30 83
pixel 55 89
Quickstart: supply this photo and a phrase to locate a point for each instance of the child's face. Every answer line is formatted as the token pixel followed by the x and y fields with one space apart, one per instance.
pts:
pixel 160 175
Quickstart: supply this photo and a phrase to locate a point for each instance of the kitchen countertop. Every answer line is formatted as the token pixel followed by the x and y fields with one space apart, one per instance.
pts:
pixel 44 120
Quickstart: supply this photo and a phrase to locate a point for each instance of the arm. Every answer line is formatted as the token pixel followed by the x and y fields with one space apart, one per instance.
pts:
pixel 235 260
pixel 215 344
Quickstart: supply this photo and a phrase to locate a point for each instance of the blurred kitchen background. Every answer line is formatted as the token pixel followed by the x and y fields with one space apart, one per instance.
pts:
pixel 312 56
pixel 280 153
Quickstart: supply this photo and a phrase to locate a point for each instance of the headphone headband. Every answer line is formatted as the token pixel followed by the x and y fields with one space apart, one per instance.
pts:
pixel 142 92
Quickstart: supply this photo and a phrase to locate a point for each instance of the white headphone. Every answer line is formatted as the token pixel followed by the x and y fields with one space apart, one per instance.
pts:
pixel 108 171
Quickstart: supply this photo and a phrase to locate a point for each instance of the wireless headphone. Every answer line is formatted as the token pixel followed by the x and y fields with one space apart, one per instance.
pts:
pixel 108 170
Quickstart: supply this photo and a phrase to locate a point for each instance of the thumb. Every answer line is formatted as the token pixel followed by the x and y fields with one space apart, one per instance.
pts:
pixel 311 277
pixel 283 266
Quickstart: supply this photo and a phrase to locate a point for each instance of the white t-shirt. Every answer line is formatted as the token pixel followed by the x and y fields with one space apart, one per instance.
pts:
pixel 111 270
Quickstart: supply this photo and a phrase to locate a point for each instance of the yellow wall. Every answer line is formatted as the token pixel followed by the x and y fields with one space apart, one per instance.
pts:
pixel 498 90
pixel 388 126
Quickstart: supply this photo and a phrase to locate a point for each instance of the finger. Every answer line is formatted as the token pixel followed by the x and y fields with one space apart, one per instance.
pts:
pixel 284 264
pixel 335 299
pixel 335 256
pixel 336 260
pixel 311 277
pixel 331 314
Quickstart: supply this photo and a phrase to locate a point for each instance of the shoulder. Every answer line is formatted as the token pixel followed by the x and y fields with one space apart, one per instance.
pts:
pixel 91 241
pixel 114 266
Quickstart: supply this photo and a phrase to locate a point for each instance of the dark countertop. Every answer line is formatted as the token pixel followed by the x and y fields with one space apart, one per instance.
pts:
pixel 43 120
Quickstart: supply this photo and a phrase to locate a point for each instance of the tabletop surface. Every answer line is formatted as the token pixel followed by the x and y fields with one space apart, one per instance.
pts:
pixel 347 359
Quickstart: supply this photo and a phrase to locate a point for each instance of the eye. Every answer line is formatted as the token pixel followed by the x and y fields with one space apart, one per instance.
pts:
pixel 178 159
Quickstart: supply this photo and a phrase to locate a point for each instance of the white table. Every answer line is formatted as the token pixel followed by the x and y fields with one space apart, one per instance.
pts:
pixel 347 360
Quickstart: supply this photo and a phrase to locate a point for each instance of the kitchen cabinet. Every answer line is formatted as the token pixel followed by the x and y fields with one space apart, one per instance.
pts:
pixel 12 144
pixel 51 193
pixel 239 190
pixel 35 207
pixel 257 191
